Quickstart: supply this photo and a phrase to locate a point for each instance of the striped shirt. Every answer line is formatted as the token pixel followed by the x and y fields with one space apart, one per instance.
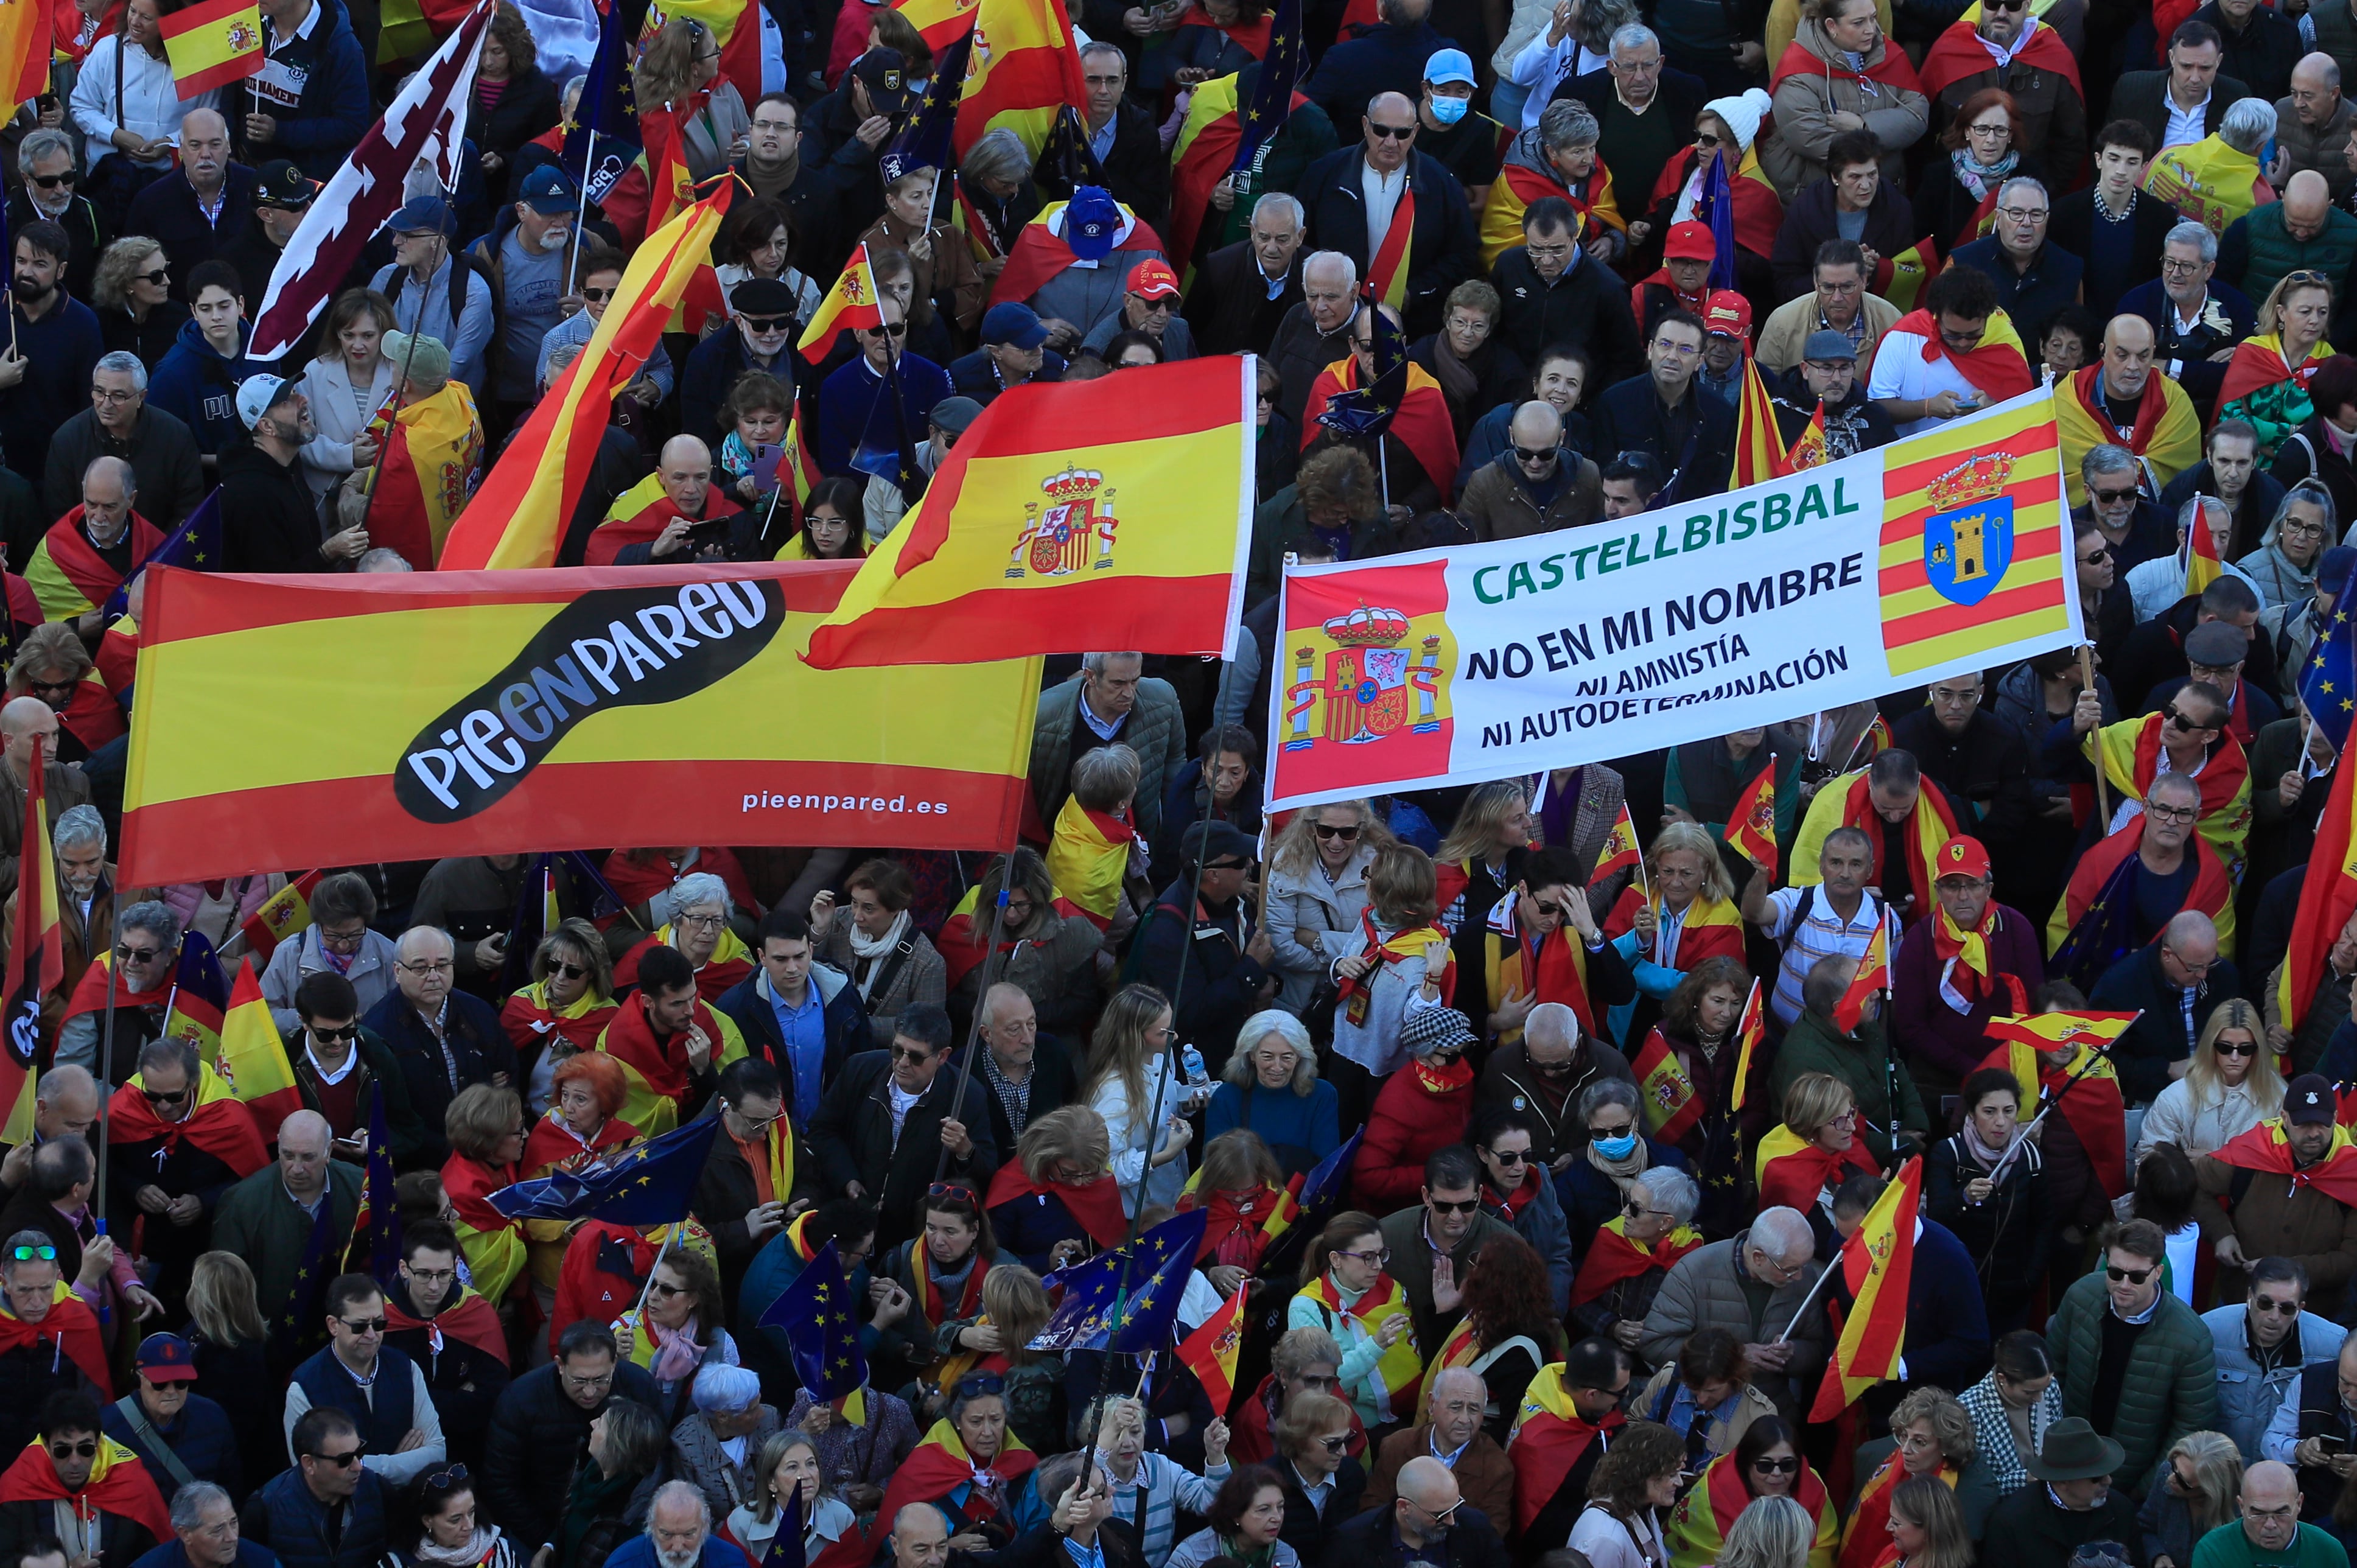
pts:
pixel 1822 934
pixel 1163 1485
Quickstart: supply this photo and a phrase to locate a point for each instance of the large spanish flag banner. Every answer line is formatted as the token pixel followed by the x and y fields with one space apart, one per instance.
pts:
pixel 1030 70
pixel 518 516
pixel 488 709
pixel 1936 555
pixel 211 44
pixel 26 37
pixel 1102 514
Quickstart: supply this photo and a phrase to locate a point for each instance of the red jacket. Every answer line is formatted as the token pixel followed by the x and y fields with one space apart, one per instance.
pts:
pixel 1408 1122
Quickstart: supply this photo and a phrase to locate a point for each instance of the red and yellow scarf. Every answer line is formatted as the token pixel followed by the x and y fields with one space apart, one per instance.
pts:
pixel 1400 1366
pixel 1612 1257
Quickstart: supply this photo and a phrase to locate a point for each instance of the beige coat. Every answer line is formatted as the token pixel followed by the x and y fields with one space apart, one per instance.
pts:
pixel 1806 102
pixel 1787 326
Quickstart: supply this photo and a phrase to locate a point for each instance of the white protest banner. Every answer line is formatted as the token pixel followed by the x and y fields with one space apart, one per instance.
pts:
pixel 1944 552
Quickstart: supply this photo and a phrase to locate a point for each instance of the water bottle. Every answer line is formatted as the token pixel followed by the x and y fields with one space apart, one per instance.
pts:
pixel 1193 1061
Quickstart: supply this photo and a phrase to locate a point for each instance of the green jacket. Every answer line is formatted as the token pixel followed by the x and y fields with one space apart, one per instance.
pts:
pixel 1864 1062
pixel 259 1222
pixel 2170 1388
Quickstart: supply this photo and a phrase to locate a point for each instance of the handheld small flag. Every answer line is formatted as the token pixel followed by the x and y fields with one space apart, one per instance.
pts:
pixel 1211 1351
pixel 284 913
pixel 2102 934
pixel 822 1325
pixel 252 1061
pixel 1877 1262
pixel 36 960
pixel 646 1184
pixel 2052 1031
pixel 2200 556
pixel 1387 273
pixel 602 142
pixel 211 44
pixel 1749 1032
pixel 376 1224
pixel 1125 1299
pixel 1671 1106
pixel 1367 411
pixel 1620 852
pixel 1272 101
pixel 1809 449
pixel 1759 453
pixel 1873 975
pixel 852 302
pixel 925 142
pixel 1315 1197
pixel 200 997
pixel 1751 825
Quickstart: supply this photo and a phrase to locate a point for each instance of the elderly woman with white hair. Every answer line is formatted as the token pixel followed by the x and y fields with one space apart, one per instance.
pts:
pixel 1150 1491
pixel 2284 564
pixel 1271 1086
pixel 1623 1265
pixel 699 928
pixel 716 1446
pixel 1596 1185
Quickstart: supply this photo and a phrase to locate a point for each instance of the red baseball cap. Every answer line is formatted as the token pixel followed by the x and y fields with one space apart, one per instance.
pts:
pixel 1153 280
pixel 1962 857
pixel 1728 314
pixel 1690 242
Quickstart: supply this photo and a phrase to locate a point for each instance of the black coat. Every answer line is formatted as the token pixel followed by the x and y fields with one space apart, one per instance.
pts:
pixel 1137 171
pixel 121 1541
pixel 2028 1530
pixel 537 1439
pixel 1986 772
pixel 1445 250
pixel 1629 417
pixel 1306 1530
pixel 2155 654
pixel 813 202
pixel 164 461
pixel 1810 222
pixel 465 1380
pixel 852 1136
pixel 472 1032
pixel 2008 1236
pixel 1586 305
pixel 2261 52
pixel 167 211
pixel 150 339
pixel 528 105
pixel 2072 227
pixel 1220 986
pixel 725 1194
pixel 2143 96
pixel 1372 1540
pixel 28 1375
pixel 1228 308
pixel 1054 1085
pixel 2160 1038
pixel 1945 210
pixel 273 524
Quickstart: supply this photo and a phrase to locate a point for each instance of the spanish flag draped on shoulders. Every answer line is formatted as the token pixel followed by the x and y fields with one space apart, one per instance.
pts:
pixel 218 1123
pixel 638 517
pixel 1088 860
pixel 1706 929
pixel 1797 1173
pixel 1996 366
pixel 606 1266
pixel 118 1484
pixel 1759 211
pixel 1698 1525
pixel 1553 1448
pixel 1868 1533
pixel 1552 966
pixel 433 456
pixel 2266 1148
pixel 2264 387
pixel 71 575
pixel 1200 158
pixel 1960 52
pixel 1422 424
pixel 1397 1372
pixel 494 1244
pixel 1095 1205
pixel 2129 753
pixel 660 1075
pixel 1612 1257
pixel 530 1018
pixel 730 962
pixel 468 1319
pixel 2208 182
pixel 1848 801
pixel 1528 174
pixel 2165 431
pixel 2081 1084
pixel 2213 892
pixel 940 1472
pixel 1041 252
pixel 69 1327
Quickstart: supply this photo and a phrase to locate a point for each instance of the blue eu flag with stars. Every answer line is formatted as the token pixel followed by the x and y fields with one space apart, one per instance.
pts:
pixel 1271 98
pixel 2328 682
pixel 196 544
pixel 1128 1310
pixel 821 1323
pixel 646 1184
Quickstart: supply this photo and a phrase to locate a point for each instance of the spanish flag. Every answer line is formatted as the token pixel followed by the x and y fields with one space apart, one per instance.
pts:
pixel 67 575
pixel 1398 1372
pixel 519 515
pixel 1620 852
pixel 1519 185
pixel 1758 450
pixel 1751 825
pixel 2265 1148
pixel 2327 898
pixel 1387 273
pixel 740 46
pixel 1671 1106
pixel 2200 553
pixel 434 455
pixel 1211 1352
pixel 1088 854
pixel 1200 158
pixel 2129 754
pixel 1750 1031
pixel 27 29
pixel 1877 1263
pixel 1873 975
pixel 1549 1437
pixel 36 959
pixel 1029 71
pixel 283 915
pixel 2085 1088
pixel 1901 279
pixel 211 44
pixel 671 190
pixel 940 23
pixel 852 302
pixel 1808 449
pixel 252 1059
pixel 1699 1524
pixel 1034 537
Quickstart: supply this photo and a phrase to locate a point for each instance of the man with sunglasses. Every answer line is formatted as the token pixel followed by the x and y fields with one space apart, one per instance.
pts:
pixel 1537 485
pixel 331 1510
pixel 736 1197
pixel 853 413
pixel 107 1515
pixel 2136 530
pixel 181 1436
pixel 601 279
pixel 2262 1343
pixel 761 338
pixel 50 1342
pixel 1149 304
pixel 340 1067
pixel 51 190
pixel 2130 1356
pixel 890 1115
pixel 382 1390
pixel 1353 193
pixel 1428 1521
pixel 1435 1243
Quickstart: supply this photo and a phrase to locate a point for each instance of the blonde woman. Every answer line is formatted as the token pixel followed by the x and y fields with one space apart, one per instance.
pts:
pixel 2230 1086
pixel 1057 1195
pixel 681 71
pixel 1683 916
pixel 1927 1527
pixel 233 1351
pixel 2267 380
pixel 131 292
pixel 2201 1492
pixel 1134 1057
pixel 1770 1532
pixel 1318 883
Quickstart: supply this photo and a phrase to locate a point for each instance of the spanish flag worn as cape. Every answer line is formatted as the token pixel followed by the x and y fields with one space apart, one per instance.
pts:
pixel 2212 894
pixel 2129 754
pixel 2166 434
pixel 1845 802
pixel 493 1243
pixel 470 1320
pixel 90 992
pixel 1893 70
pixel 1200 157
pixel 1793 1171
pixel 1759 213
pixel 219 1123
pixel 1549 1437
pixel 1040 253
pixel 70 576
pixel 939 1471
pixel 2259 363
pixel 92 717
pixel 1519 185
pixel 1877 1263
pixel 529 1020
pixel 1096 1205
pixel 1612 1257
pixel 1400 1367
pixel 70 1326
pixel 1711 928
pixel 2267 1148
pixel 430 468
pixel 2208 182
pixel 1996 366
pixel 1422 424
pixel 554 1145
pixel 1698 1525
pixel 1088 856
pixel 967 931
pixel 730 961
pixel 1868 1533
pixel 1958 53
pixel 657 1071
pixel 1552 968
pixel 119 1484
pixel 2086 1090
pixel 1458 1350
pixel 641 513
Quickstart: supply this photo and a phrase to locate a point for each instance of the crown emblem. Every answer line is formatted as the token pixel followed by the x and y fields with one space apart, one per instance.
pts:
pixel 1981 479
pixel 1073 484
pixel 242 37
pixel 1366 628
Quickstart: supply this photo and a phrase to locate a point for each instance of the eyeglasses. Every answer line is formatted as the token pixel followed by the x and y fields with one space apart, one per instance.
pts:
pixel 2235 1048
pixel 87 1449
pixel 367 1325
pixel 702 922
pixel 2133 1276
pixel 2021 214
pixel 1348 831
pixel 598 295
pixel 34 1254
pixel 446 1480
pixel 51 181
pixel 343 941
pixel 769 323
pixel 1789 1466
pixel 430 966
pixel 326 1035
pixel 342 1461
pixel 2172 813
pixel 1379 1256
pixel 1391 132
pixel 2111 498
pixel 1443 1206
pixel 602 1380
pixel 980 1386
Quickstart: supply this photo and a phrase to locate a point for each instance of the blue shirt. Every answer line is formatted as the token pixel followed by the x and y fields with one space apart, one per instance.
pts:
pixel 804 1030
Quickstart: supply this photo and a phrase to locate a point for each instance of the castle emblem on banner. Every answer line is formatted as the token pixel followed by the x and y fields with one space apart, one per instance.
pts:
pixel 1968 538
pixel 1374 683
pixel 1067 531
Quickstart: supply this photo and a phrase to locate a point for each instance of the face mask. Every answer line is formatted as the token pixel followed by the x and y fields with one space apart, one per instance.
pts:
pixel 1616 1149
pixel 1448 110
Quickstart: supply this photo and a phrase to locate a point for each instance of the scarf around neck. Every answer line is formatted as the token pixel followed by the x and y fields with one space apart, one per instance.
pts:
pixel 872 951
pixel 1456 379
pixel 1621 1171
pixel 1981 178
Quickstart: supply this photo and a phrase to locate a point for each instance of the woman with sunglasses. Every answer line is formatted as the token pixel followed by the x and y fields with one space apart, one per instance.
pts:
pixel 1812 1150
pixel 1317 883
pixel 1519 1189
pixel 1244 1524
pixel 1270 1087
pixel 2202 1490
pixel 1345 1292
pixel 973 1468
pixel 1626 1260
pixel 349 383
pixel 1313 1439
pixel 444 1530
pixel 788 1462
pixel 2012 1407
pixel 1988 1183
pixel 2231 1084
pixel 131 292
pixel 1276 442
pixel 682 1328
pixel 1613 1151
pixel 1632 1488
pixel 1507 1334
pixel 1422 1108
pixel 1765 1463
pixel 2268 378
pixel 943 1269
pixel 1705 1396
pixel 567 1005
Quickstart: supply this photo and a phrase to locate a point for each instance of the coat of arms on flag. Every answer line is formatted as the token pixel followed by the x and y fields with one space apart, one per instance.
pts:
pixel 1072 531
pixel 1968 538
pixel 1374 682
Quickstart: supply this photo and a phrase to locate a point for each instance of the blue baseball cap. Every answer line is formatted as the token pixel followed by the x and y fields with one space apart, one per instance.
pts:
pixel 1450 65
pixel 550 191
pixel 1014 324
pixel 166 1359
pixel 423 215
pixel 1092 222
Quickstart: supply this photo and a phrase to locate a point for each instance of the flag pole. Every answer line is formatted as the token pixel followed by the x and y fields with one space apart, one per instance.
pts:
pixel 105 1066
pixel 974 1044
pixel 2103 790
pixel 1828 1272
pixel 637 1316
pixel 580 221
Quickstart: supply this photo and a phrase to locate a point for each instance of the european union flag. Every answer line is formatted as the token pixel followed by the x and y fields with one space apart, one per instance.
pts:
pixel 1271 100
pixel 1065 160
pixel 1367 411
pixel 605 108
pixel 1716 208
pixel 197 978
pixel 925 142
pixel 196 544
pixel 1095 1314
pixel 895 464
pixel 821 1323
pixel 646 1184
pixel 786 1546
pixel 2102 935
pixel 1321 1195
pixel 298 1325
pixel 379 1217
pixel 2328 682
pixel 607 903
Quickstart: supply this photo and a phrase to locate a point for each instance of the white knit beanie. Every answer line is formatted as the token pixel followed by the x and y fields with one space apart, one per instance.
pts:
pixel 1742 114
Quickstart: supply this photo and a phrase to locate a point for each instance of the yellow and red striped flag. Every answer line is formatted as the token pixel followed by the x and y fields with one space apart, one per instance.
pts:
pixel 1029 71
pixel 671 190
pixel 1759 448
pixel 1013 547
pixel 1901 279
pixel 940 23
pixel 2326 897
pixel 2202 566
pixel 284 913
pixel 1878 1263
pixel 1672 1107
pixel 1200 158
pixel 1873 975
pixel 1387 273
pixel 519 515
pixel 1211 1351
pixel 1751 825
pixel 252 1061
pixel 852 302
pixel 1808 449
pixel 211 44
pixel 36 959
pixel 1750 1031
pixel 2052 1031
pixel 1620 851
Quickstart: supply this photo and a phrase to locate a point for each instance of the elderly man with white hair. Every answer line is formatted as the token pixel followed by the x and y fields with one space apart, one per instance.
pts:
pixel 65 1105
pixel 1316 332
pixel 678 1535
pixel 2217 180
pixel 146 952
pixel 1751 1285
pixel 445 1039
pixel 1242 291
pixel 1450 1433
pixel 268 1218
pixel 2034 277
